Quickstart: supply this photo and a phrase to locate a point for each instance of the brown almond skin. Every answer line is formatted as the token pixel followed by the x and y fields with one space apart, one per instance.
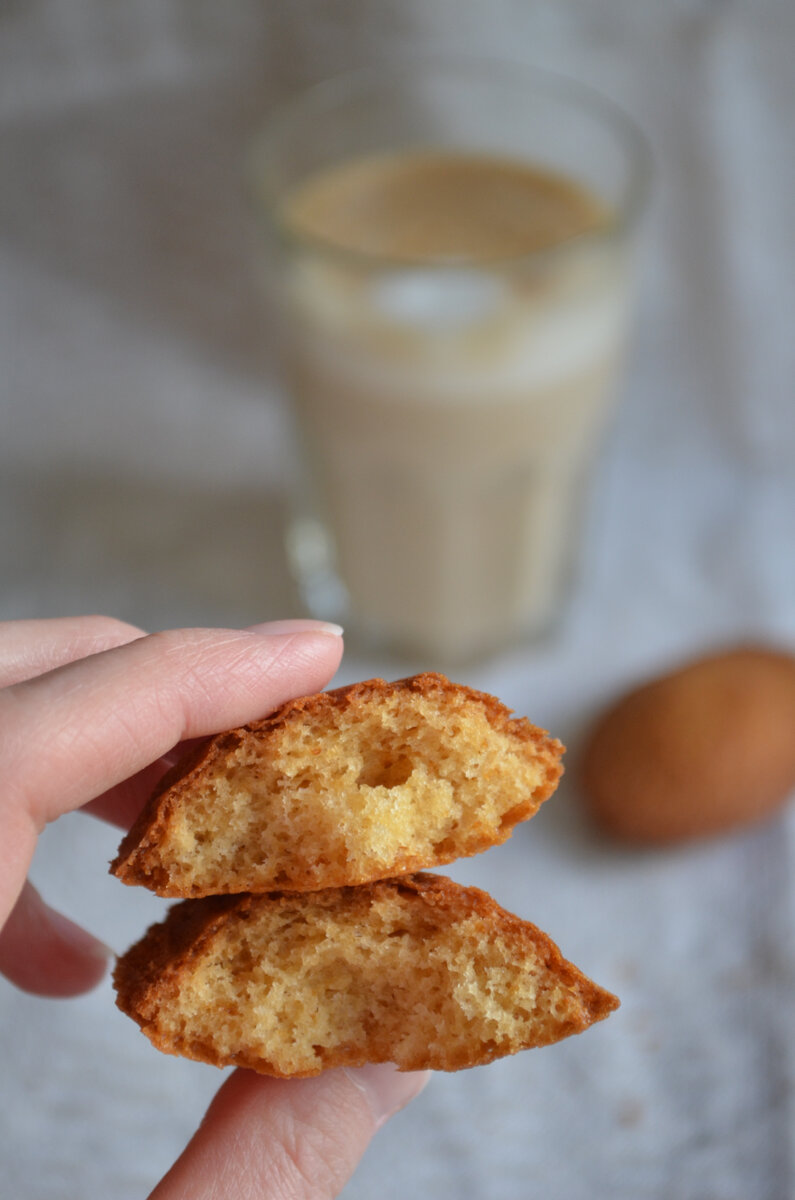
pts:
pixel 704 750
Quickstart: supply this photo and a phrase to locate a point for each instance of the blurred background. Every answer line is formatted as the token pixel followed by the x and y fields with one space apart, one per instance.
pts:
pixel 143 474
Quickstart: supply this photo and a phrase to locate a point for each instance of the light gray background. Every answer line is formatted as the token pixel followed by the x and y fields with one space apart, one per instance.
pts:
pixel 142 470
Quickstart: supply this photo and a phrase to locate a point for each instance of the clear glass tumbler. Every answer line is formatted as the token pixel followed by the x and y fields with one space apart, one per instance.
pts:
pixel 449 406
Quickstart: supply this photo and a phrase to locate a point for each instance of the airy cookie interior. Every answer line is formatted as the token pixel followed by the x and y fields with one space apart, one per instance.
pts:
pixel 344 788
pixel 418 971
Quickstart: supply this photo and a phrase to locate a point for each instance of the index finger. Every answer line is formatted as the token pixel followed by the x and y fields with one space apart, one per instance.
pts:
pixel 31 647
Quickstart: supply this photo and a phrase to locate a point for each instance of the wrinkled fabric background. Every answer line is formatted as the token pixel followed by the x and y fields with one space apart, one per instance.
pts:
pixel 142 473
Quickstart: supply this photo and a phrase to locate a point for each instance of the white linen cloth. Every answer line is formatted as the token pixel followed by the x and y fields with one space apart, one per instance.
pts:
pixel 141 452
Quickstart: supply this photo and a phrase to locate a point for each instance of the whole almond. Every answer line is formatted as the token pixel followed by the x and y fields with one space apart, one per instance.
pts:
pixel 705 749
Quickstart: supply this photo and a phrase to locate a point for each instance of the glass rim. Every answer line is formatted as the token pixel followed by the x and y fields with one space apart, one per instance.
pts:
pixel 621 218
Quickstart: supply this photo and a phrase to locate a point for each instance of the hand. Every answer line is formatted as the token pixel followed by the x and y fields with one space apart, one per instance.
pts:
pixel 92 712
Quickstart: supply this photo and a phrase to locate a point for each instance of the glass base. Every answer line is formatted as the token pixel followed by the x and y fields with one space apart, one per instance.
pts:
pixel 325 597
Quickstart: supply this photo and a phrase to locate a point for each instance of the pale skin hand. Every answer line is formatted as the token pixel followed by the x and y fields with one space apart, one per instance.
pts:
pixel 92 712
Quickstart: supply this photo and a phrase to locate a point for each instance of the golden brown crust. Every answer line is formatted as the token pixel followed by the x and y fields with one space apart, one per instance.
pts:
pixel 136 860
pixel 152 972
pixel 698 751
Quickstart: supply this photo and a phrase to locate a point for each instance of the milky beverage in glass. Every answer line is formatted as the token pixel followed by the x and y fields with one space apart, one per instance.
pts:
pixel 452 322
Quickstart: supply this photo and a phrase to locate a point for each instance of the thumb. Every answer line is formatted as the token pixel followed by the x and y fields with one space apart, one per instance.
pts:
pixel 278 1139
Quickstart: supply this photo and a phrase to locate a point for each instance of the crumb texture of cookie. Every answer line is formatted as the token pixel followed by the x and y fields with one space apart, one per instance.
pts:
pixel 418 971
pixel 342 788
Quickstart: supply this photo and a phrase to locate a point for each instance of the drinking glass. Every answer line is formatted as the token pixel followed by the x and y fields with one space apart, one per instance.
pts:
pixel 448 410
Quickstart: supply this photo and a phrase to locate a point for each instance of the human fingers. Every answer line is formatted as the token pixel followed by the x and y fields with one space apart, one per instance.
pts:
pixel 296 1139
pixel 70 735
pixel 32 647
pixel 121 804
pixel 29 648
pixel 43 951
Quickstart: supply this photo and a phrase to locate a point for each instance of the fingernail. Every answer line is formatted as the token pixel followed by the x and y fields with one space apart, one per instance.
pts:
pixel 387 1089
pixel 298 625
